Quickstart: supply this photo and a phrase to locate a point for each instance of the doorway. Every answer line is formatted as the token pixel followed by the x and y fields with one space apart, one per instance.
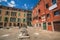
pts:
pixel 18 24
pixel 56 25
pixel 5 24
pixel 44 26
pixel 10 24
pixel 1 24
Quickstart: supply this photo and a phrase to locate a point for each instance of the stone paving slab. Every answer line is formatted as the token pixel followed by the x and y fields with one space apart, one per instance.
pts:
pixel 34 33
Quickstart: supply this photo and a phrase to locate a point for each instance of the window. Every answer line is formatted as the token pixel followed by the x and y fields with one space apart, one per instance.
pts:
pixel 29 19
pixel 49 23
pixel 29 15
pixel 53 1
pixel 0 18
pixel 23 20
pixel 7 7
pixel 48 15
pixel 38 10
pixel 0 11
pixel 7 13
pixel 13 19
pixel 47 6
pixel 18 19
pixel 13 13
pixel 39 17
pixel 18 14
pixel 57 12
pixel 6 19
pixel 24 15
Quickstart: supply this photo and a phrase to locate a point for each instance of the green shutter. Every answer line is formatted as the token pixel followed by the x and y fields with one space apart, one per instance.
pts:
pixel 23 20
pixel 24 15
pixel 44 26
pixel 18 19
pixel 0 11
pixel 18 14
pixel 0 18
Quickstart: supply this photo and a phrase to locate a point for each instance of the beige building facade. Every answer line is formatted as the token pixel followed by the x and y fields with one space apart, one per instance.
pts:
pixel 12 17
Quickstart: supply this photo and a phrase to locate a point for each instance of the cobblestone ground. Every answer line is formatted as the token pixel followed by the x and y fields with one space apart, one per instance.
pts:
pixel 35 34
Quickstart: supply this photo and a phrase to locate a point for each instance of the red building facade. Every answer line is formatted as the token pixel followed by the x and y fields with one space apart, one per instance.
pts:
pixel 46 15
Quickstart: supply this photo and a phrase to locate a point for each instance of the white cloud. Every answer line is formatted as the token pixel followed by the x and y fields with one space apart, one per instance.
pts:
pixel 0 0
pixel 25 6
pixel 11 4
pixel 4 0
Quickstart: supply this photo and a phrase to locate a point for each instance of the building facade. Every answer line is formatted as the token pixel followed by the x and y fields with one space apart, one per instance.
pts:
pixel 29 18
pixel 12 17
pixel 46 15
